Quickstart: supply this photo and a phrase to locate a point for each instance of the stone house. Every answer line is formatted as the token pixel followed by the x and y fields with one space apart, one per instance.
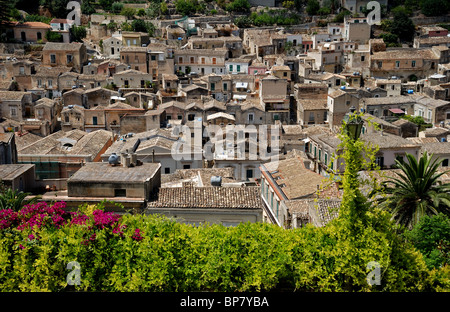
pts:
pixel 131 186
pixel 16 105
pixel 135 39
pixel 112 47
pixel 227 206
pixel 382 106
pixel 58 156
pixel 393 87
pixel 30 31
pixel 237 65
pixel 46 110
pixel 72 117
pixel 312 111
pixel 133 79
pixel 233 44
pixel 403 63
pixel 201 61
pixel 339 103
pixel 275 99
pixel 64 54
pixel 45 83
pixel 62 26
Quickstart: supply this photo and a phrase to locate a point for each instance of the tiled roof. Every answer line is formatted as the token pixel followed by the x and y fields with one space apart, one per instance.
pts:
pixel 294 180
pixel 437 147
pixel 98 172
pixel 12 171
pixel 208 197
pixel 318 104
pixel 12 95
pixel 73 46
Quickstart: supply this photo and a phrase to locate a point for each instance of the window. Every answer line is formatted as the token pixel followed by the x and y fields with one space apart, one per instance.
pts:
pixel 238 68
pixel 380 64
pixel 39 83
pixel 203 60
pixel 379 160
pixel 53 58
pixel 13 111
pixel 192 60
pixel 320 154
pixel 21 70
pixel 213 86
pixel 363 58
pixel 251 117
pixel 69 58
pixel 180 60
pixel 397 64
pixel 225 87
pixel 186 166
pixel 50 83
pixel 180 117
pixel 249 174
pixel 120 193
pixel 153 57
pixel 413 63
pixel 191 117
pixel 230 68
pixel 167 170
pixel 445 163
pixel 39 35
pixel 325 158
pixel 214 60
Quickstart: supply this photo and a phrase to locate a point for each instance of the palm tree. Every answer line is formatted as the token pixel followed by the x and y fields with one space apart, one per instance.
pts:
pixel 416 192
pixel 11 199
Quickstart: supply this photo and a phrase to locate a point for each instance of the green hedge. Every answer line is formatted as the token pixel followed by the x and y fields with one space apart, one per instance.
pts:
pixel 170 256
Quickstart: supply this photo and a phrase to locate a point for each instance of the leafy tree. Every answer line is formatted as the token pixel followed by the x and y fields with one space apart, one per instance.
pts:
pixel 141 12
pixel 239 6
pixel 38 18
pixel 186 7
pixel 139 25
pixel 391 40
pixel 339 18
pixel 126 27
pixel 53 36
pixel 116 7
pixel 324 11
pixel 106 4
pixel 431 236
pixel 243 22
pixel 78 33
pixel 434 7
pixel 58 8
pixel 164 9
pixel 403 26
pixel 312 7
pixel 290 5
pixel 128 12
pixel 112 26
pixel 87 7
pixel 12 199
pixel 416 192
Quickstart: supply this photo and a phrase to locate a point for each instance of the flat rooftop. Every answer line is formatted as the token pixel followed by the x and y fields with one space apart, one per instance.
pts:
pixel 103 172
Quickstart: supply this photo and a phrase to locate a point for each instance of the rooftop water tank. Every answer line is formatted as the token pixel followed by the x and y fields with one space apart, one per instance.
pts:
pixel 113 159
pixel 216 181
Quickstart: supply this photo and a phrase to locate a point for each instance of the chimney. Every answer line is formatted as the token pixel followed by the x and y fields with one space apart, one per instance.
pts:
pixel 133 158
pixel 126 161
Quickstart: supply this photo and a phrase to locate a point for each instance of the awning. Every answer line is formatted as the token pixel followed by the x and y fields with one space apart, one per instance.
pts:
pixel 241 84
pixel 396 111
pixel 239 97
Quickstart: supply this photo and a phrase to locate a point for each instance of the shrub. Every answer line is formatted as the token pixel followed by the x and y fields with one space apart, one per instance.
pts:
pixel 154 253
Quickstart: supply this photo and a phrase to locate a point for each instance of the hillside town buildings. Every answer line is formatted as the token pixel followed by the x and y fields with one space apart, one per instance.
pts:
pixel 207 122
